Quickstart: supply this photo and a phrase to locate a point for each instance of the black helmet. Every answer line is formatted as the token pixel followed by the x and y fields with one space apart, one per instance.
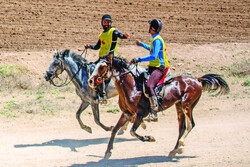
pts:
pixel 156 24
pixel 106 17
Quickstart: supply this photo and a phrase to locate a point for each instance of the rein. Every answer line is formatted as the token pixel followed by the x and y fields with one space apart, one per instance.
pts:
pixel 65 83
pixel 129 71
pixel 85 53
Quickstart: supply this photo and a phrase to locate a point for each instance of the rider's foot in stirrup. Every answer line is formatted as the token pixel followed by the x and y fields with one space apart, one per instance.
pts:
pixel 103 99
pixel 96 100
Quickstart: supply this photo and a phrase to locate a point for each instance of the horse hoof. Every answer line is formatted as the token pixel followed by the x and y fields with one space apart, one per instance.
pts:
pixel 88 129
pixel 121 132
pixel 172 154
pixel 107 155
pixel 151 139
pixel 180 151
pixel 143 125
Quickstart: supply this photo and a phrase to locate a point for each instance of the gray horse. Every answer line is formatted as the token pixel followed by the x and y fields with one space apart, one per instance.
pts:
pixel 77 68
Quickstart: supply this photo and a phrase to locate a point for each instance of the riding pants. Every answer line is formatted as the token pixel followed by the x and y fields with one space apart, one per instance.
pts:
pixel 156 73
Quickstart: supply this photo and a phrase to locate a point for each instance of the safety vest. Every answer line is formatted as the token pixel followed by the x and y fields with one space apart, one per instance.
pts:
pixel 106 42
pixel 156 62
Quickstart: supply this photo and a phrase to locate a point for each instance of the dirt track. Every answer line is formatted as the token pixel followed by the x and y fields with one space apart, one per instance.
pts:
pixel 215 36
pixel 39 25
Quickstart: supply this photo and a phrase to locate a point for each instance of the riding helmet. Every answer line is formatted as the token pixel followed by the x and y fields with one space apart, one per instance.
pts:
pixel 106 17
pixel 156 24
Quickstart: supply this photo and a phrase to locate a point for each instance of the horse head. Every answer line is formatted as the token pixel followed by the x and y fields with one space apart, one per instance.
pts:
pixel 56 67
pixel 101 72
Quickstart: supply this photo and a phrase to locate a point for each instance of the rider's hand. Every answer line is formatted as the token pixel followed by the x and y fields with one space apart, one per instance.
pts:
pixel 138 42
pixel 87 46
pixel 126 35
pixel 133 61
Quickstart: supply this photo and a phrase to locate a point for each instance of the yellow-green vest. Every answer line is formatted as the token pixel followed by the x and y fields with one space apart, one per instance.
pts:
pixel 106 42
pixel 156 62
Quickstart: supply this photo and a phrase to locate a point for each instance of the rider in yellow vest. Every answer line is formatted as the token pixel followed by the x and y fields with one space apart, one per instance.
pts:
pixel 107 44
pixel 158 61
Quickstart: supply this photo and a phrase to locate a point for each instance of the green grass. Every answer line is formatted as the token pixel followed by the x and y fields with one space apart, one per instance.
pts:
pixel 116 110
pixel 246 83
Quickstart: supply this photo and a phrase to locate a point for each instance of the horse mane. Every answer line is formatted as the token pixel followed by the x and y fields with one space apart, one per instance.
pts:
pixel 118 62
pixel 78 58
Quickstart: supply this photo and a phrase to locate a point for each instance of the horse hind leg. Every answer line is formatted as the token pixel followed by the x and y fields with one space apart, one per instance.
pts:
pixel 182 129
pixel 188 111
pixel 82 107
pixel 185 118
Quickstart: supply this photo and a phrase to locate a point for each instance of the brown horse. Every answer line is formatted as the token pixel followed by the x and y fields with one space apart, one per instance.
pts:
pixel 183 91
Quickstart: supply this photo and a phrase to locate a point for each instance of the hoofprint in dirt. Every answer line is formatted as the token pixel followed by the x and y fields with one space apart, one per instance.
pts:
pixel 220 137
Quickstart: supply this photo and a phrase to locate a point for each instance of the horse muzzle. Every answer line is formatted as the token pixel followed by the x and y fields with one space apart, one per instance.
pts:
pixel 48 76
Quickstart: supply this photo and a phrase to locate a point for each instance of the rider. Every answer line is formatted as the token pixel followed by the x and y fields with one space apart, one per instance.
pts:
pixel 158 62
pixel 107 44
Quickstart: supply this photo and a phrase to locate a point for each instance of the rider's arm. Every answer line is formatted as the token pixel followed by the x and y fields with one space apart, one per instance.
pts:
pixel 145 46
pixel 154 53
pixel 97 46
pixel 115 36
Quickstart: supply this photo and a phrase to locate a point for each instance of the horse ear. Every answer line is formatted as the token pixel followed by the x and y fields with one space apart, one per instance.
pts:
pixel 110 57
pixel 58 54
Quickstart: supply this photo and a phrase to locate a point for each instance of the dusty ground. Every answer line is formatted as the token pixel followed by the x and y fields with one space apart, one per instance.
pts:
pixel 38 125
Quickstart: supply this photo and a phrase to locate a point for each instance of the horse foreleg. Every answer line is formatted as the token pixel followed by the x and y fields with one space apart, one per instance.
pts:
pixel 82 107
pixel 137 122
pixel 123 128
pixel 182 128
pixel 95 110
pixel 123 119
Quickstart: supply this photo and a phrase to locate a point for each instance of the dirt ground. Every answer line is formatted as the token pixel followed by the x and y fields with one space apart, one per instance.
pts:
pixel 201 37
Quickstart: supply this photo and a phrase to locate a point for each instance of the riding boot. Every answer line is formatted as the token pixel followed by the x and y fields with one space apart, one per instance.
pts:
pixel 154 109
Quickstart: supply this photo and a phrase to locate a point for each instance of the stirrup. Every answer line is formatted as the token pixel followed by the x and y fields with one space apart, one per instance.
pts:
pixel 103 100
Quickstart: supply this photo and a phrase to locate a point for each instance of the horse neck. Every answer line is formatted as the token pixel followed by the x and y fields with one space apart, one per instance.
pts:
pixel 75 73
pixel 125 83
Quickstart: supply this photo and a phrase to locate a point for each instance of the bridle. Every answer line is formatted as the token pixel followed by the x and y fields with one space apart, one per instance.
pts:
pixel 62 66
pixel 103 75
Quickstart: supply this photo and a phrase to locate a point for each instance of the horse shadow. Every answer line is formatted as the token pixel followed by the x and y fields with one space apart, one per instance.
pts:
pixel 73 144
pixel 132 162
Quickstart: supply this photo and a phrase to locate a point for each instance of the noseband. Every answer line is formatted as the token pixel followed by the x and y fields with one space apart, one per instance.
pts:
pixel 62 66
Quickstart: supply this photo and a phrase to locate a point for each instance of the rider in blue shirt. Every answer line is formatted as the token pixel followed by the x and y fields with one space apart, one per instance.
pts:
pixel 158 63
pixel 157 47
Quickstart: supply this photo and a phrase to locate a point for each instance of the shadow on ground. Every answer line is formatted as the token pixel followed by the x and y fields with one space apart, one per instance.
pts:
pixel 73 144
pixel 132 162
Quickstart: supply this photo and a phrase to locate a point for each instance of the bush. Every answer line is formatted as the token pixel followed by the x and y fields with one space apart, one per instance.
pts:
pixel 241 68
pixel 13 77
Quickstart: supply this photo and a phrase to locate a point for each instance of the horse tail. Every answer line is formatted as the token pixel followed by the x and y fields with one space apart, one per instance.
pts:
pixel 214 82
